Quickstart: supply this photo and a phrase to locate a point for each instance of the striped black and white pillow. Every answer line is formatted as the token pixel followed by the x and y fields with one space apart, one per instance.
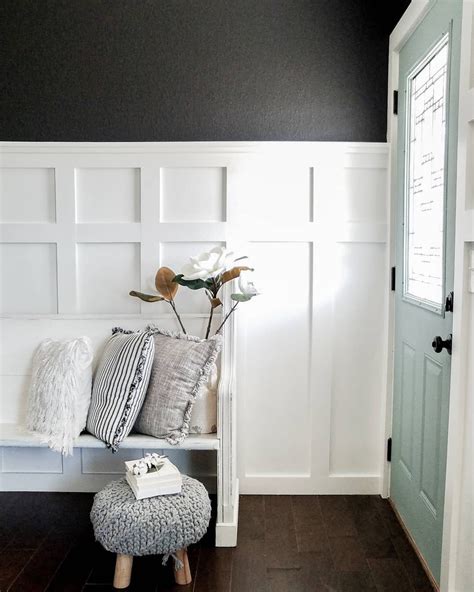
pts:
pixel 120 385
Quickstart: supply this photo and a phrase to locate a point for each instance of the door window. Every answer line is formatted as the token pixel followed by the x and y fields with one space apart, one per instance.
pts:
pixel 427 94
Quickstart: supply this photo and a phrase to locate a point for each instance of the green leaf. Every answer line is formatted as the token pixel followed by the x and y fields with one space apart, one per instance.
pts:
pixel 146 297
pixel 193 284
pixel 241 297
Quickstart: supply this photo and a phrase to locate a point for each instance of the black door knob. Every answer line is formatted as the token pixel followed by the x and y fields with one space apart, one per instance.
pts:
pixel 439 344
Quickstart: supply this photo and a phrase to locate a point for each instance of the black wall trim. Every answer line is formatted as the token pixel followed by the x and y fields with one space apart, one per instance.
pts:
pixel 189 70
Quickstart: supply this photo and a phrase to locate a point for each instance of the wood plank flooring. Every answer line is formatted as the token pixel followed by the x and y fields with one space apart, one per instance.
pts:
pixel 286 543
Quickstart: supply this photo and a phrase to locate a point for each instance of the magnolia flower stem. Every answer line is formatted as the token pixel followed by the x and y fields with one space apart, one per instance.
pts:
pixel 173 306
pixel 226 317
pixel 211 314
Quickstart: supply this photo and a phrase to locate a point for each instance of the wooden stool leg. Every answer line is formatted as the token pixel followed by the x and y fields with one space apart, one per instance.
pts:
pixel 183 576
pixel 123 571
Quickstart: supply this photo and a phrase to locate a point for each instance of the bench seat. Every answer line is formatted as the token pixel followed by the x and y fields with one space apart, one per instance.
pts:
pixel 16 435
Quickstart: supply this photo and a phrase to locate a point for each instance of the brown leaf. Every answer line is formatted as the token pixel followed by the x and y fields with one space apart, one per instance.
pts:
pixel 215 302
pixel 233 273
pixel 164 283
pixel 146 297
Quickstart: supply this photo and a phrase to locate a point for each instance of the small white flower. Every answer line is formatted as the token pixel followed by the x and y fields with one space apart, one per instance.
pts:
pixel 208 265
pixel 140 468
pixel 246 287
pixel 157 462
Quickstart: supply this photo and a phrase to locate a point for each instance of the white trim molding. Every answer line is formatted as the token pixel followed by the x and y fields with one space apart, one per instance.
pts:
pixel 411 18
pixel 457 572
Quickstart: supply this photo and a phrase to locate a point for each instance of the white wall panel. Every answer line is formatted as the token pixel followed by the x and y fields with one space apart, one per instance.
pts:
pixel 357 359
pixel 470 158
pixel 277 423
pixel 194 194
pixel 102 461
pixel 108 195
pixel 20 460
pixel 28 283
pixel 27 195
pixel 274 192
pixel 13 395
pixel 106 272
pixel 312 216
pixel 361 198
pixel 194 462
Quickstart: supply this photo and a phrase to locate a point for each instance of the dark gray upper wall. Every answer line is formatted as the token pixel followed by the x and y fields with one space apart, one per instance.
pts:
pixel 190 70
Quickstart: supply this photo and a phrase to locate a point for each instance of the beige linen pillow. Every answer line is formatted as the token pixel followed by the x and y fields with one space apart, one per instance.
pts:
pixel 180 370
pixel 204 414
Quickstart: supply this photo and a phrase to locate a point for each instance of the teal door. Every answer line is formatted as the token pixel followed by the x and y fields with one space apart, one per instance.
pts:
pixel 427 134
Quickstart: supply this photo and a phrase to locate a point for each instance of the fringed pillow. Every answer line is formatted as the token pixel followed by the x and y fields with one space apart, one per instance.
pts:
pixel 204 414
pixel 120 385
pixel 180 370
pixel 60 392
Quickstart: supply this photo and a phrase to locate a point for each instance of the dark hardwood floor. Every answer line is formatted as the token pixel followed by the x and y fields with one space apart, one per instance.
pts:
pixel 286 543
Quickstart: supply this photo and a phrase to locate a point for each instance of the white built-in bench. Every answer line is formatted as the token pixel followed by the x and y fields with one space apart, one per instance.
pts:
pixel 15 435
pixel 26 464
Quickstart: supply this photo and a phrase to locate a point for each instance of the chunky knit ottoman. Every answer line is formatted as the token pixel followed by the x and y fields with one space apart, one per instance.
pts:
pixel 157 525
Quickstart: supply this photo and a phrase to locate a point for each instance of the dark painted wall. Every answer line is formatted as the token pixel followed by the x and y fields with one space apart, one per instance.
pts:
pixel 176 70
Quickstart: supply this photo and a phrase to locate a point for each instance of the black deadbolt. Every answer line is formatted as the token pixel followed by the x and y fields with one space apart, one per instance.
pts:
pixel 439 344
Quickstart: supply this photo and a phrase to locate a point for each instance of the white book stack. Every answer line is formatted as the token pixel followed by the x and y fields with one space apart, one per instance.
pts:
pixel 161 476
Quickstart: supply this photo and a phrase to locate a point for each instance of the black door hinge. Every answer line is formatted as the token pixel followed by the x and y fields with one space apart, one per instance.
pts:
pixel 449 304
pixel 395 102
pixel 389 450
pixel 393 279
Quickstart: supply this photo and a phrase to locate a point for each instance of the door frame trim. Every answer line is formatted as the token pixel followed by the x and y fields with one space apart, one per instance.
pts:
pixel 464 232
pixel 451 568
pixel 411 18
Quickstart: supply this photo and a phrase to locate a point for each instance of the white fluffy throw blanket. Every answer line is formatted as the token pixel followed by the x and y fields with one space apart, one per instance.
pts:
pixel 60 392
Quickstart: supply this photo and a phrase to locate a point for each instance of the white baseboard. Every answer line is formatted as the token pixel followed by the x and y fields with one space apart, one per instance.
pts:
pixel 307 485
pixel 226 532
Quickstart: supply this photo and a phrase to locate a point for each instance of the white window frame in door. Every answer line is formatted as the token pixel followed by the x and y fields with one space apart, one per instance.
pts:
pixel 464 230
pixel 408 296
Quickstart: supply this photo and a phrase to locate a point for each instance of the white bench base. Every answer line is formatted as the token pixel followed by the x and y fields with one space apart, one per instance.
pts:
pixel 226 532
pixel 28 465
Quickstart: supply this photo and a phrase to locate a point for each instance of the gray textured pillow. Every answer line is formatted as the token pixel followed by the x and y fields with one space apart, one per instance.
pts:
pixel 180 370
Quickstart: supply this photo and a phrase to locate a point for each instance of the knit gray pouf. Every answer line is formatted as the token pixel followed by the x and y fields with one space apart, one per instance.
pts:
pixel 157 525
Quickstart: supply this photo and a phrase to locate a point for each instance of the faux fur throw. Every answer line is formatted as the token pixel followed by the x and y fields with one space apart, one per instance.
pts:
pixel 60 392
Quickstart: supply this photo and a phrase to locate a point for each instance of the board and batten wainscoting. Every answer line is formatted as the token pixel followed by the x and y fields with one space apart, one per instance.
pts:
pixel 82 224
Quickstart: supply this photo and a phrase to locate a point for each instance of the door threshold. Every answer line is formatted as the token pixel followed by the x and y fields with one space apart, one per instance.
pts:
pixel 419 554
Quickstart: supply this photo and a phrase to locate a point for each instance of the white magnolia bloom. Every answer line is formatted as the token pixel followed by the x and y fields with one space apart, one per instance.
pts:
pixel 209 265
pixel 246 287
